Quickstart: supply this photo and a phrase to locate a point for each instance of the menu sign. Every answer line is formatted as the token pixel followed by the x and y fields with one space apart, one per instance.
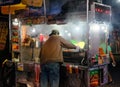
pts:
pixel 3 34
pixel 9 2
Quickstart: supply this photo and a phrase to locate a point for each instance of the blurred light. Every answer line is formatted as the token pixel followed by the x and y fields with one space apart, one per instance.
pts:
pixel 94 27
pixel 66 31
pixel 105 31
pixel 103 27
pixel 15 22
pixel 81 44
pixel 77 28
pixel 99 26
pixel 118 0
pixel 107 12
pixel 69 34
pixel 74 42
pixel 33 30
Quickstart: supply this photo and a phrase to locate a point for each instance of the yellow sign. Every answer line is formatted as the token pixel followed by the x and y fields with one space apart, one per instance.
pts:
pixel 35 3
pixel 12 8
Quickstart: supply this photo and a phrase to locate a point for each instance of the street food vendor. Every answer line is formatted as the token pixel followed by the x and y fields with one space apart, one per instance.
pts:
pixel 51 57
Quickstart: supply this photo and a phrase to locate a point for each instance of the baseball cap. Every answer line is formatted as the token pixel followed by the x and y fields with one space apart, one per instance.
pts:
pixel 54 32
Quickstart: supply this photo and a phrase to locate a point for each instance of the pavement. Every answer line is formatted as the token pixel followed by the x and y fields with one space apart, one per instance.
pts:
pixel 115 73
pixel 114 84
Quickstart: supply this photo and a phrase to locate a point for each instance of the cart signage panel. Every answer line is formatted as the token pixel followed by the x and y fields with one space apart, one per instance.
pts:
pixel 9 2
pixel 101 12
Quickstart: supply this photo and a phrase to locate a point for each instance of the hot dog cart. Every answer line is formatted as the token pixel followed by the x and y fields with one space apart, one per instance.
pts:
pixel 88 65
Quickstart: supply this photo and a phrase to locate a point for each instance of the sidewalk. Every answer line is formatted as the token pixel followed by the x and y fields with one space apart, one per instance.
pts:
pixel 114 84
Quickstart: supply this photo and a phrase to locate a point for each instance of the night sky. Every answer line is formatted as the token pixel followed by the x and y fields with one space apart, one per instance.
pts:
pixel 115 5
pixel 56 8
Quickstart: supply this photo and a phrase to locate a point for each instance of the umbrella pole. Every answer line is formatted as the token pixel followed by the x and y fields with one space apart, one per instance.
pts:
pixel 10 43
pixel 45 10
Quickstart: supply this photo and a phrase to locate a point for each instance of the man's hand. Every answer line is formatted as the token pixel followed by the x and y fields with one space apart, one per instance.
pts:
pixel 77 49
pixel 113 63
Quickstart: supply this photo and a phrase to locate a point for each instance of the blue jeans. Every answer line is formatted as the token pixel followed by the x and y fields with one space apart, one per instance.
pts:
pixel 50 75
